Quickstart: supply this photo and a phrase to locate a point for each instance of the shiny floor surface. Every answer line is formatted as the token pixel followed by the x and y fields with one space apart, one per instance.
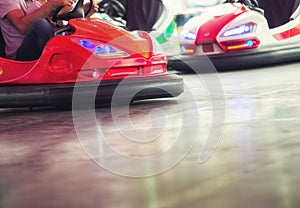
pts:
pixel 232 140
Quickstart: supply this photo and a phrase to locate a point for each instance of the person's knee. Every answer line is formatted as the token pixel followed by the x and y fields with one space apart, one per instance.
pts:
pixel 42 26
pixel 43 32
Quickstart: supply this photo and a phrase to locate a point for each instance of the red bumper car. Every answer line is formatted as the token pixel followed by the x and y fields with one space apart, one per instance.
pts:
pixel 95 54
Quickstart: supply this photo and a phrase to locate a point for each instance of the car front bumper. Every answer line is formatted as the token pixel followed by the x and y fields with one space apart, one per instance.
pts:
pixel 234 60
pixel 98 92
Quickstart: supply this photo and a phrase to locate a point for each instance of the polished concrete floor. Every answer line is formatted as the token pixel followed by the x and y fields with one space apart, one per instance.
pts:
pixel 231 140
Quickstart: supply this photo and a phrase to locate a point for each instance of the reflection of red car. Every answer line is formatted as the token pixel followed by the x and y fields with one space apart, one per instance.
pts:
pixel 235 35
pixel 88 51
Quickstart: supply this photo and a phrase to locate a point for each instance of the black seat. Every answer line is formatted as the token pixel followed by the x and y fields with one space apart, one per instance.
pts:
pixel 2 45
pixel 143 14
pixel 277 12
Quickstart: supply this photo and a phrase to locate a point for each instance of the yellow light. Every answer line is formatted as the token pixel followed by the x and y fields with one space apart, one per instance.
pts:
pixel 145 54
pixel 189 50
pixel 112 55
pixel 1 71
pixel 237 47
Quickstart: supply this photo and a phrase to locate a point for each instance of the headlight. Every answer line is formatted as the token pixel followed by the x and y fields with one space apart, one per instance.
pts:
pixel 239 30
pixel 189 35
pixel 100 49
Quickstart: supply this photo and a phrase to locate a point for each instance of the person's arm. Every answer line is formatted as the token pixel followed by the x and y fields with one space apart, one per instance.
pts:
pixel 23 22
pixel 94 9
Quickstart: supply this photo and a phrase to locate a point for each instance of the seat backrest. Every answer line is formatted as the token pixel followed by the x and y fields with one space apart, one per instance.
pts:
pixel 143 14
pixel 278 12
pixel 2 45
pixel 296 10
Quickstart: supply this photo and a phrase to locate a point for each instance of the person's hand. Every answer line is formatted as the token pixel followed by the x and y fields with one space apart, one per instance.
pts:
pixel 94 9
pixel 58 3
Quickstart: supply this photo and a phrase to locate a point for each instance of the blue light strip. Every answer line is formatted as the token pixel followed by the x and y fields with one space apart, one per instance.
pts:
pixel 239 30
pixel 190 36
pixel 101 48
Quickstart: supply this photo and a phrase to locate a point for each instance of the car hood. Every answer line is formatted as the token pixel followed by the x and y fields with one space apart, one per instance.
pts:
pixel 96 29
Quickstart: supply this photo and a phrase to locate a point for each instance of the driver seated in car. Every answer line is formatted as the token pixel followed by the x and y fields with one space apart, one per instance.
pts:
pixel 25 28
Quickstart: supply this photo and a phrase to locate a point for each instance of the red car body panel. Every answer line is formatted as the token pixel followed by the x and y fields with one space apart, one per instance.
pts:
pixel 208 32
pixel 64 61
pixel 91 59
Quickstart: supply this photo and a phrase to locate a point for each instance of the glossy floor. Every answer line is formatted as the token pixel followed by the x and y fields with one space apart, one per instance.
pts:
pixel 231 140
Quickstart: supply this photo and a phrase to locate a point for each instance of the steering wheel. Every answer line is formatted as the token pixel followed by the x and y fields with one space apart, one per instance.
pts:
pixel 250 3
pixel 112 8
pixel 77 12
